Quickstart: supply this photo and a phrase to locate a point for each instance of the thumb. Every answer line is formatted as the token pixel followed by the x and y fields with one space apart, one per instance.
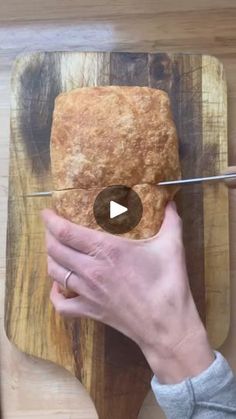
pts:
pixel 172 221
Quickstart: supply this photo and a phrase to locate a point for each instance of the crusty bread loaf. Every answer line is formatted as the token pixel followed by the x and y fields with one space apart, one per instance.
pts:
pixel 113 135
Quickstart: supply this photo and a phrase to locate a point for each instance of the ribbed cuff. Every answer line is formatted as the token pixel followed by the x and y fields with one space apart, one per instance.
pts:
pixel 179 400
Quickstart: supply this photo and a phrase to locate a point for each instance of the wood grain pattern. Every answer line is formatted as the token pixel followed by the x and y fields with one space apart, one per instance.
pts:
pixel 215 198
pixel 181 77
pixel 64 9
pixel 97 355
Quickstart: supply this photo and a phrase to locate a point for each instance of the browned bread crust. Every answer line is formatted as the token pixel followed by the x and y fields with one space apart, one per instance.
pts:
pixel 112 135
pixel 77 206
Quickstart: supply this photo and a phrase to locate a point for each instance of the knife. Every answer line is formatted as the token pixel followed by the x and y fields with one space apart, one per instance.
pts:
pixel 165 183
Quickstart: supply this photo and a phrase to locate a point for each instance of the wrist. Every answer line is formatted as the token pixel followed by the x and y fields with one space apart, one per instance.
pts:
pixel 185 359
pixel 189 360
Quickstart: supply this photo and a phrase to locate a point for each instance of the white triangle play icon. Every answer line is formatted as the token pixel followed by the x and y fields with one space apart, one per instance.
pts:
pixel 116 209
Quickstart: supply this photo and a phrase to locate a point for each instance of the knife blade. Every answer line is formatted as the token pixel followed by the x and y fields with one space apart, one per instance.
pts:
pixel 183 182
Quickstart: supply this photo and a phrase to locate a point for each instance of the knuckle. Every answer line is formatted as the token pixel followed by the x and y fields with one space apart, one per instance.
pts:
pixel 64 233
pixel 106 250
pixel 97 274
pixel 95 277
pixel 114 252
pixel 98 248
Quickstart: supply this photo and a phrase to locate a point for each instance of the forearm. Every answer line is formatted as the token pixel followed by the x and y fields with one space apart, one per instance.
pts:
pixel 209 395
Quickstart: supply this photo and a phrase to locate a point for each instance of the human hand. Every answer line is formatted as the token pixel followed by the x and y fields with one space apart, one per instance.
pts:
pixel 139 287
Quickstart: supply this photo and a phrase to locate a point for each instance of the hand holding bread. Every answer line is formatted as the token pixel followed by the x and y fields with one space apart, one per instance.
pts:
pixel 139 287
pixel 138 283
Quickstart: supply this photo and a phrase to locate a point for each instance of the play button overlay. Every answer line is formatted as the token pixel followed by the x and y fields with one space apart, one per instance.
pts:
pixel 117 209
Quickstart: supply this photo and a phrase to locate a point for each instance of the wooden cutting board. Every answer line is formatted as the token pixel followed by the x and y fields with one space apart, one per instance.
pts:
pixel 109 365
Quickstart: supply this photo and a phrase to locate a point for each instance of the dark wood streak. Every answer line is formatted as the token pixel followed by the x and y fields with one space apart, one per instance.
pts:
pixel 73 327
pixel 128 69
pixel 187 93
pixel 187 98
pixel 40 83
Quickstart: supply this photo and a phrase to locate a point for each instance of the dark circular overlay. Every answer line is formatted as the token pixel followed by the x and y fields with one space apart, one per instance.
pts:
pixel 122 195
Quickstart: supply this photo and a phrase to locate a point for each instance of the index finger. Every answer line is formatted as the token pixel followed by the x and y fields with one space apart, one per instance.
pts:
pixel 81 238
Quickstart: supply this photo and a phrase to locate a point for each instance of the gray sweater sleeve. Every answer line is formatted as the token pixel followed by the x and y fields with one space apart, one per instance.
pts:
pixel 211 394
